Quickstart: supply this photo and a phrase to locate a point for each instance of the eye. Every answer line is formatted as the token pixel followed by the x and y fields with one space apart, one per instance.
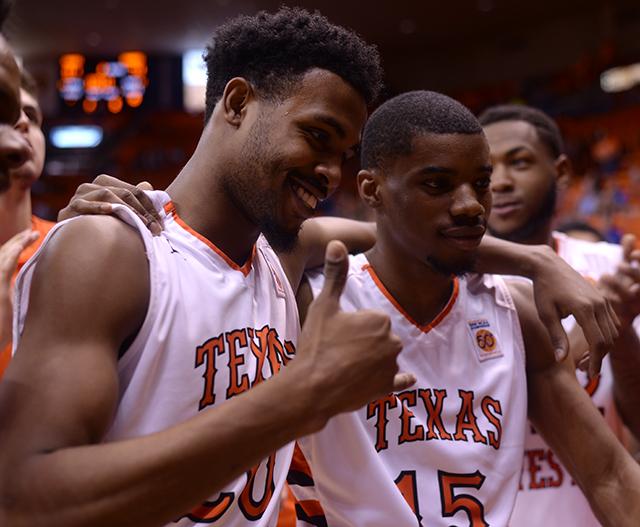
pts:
pixel 33 115
pixel 483 183
pixel 436 185
pixel 521 162
pixel 318 135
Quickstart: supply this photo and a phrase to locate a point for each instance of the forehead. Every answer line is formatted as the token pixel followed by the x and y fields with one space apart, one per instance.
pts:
pixel 322 93
pixel 504 136
pixel 447 150
pixel 26 99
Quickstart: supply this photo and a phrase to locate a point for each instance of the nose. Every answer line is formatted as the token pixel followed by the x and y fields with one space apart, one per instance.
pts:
pixel 22 124
pixel 501 180
pixel 465 202
pixel 330 172
pixel 14 150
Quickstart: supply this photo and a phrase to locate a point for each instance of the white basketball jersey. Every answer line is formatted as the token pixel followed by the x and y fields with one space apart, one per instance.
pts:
pixel 212 331
pixel 548 495
pixel 445 452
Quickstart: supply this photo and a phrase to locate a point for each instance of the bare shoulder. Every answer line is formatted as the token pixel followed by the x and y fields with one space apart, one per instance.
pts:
pixel 93 271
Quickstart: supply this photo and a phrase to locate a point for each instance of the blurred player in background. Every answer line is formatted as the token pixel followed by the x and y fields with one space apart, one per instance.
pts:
pixel 530 168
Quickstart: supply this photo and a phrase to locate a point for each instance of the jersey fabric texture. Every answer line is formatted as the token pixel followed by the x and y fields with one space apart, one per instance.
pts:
pixel 445 452
pixel 548 495
pixel 212 331
pixel 42 227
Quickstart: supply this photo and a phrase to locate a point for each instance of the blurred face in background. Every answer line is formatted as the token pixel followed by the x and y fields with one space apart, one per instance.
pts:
pixel 523 183
pixel 29 125
pixel 14 150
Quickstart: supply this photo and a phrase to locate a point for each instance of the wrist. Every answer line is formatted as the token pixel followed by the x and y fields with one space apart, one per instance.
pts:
pixel 536 259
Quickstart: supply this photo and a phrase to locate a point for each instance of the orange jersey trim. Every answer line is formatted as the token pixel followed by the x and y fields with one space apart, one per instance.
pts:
pixel 299 462
pixel 428 327
pixel 170 209
pixel 311 508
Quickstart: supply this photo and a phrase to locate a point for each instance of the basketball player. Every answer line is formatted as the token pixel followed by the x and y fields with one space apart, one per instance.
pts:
pixel 19 228
pixel 446 452
pixel 140 392
pixel 13 148
pixel 529 167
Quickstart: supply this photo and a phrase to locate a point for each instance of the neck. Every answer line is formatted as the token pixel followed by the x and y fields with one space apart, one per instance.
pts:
pixel 15 211
pixel 203 204
pixel 541 236
pixel 416 286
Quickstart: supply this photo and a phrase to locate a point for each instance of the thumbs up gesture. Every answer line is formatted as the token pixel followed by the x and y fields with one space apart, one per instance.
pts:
pixel 350 358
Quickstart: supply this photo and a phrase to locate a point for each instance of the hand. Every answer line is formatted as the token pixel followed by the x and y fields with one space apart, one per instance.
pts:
pixel 348 358
pixel 97 198
pixel 9 254
pixel 623 288
pixel 560 291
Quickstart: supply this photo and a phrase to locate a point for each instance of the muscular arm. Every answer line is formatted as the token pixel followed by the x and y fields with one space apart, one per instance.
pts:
pixel 88 297
pixel 57 401
pixel 564 415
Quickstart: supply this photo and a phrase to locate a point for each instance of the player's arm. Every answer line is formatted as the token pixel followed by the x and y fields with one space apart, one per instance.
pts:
pixel 565 416
pixel 559 291
pixel 88 298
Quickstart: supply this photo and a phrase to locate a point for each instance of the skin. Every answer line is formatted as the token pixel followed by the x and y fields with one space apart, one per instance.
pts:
pixel 54 471
pixel 524 170
pixel 13 149
pixel 417 197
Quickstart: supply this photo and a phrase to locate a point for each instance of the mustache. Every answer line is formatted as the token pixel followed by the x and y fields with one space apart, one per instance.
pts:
pixel 466 221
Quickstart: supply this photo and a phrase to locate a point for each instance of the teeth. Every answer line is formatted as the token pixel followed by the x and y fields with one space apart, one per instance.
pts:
pixel 309 199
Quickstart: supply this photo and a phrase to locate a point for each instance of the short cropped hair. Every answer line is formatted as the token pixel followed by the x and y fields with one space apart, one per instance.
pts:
pixel 579 225
pixel 274 50
pixel 391 128
pixel 546 127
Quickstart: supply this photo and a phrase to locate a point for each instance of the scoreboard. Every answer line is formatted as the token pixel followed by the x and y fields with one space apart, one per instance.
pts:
pixel 118 83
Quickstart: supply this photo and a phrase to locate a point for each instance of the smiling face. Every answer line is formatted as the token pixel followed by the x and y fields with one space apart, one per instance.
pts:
pixel 524 182
pixel 433 203
pixel 293 154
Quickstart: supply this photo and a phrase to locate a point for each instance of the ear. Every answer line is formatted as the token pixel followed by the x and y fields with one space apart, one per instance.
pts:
pixel 368 182
pixel 564 171
pixel 237 95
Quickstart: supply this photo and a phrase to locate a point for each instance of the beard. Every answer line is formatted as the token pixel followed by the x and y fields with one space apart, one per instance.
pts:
pixel 245 187
pixel 539 219
pixel 458 268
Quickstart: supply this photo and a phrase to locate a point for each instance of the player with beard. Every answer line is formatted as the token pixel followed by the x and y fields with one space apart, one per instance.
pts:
pixel 529 167
pixel 140 392
pixel 447 451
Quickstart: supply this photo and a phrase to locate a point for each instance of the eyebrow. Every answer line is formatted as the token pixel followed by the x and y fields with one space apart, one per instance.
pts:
pixel 516 150
pixel 330 121
pixel 436 170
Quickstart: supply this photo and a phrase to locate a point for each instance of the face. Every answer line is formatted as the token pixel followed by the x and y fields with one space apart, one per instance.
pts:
pixel 30 126
pixel 13 148
pixel 434 202
pixel 293 154
pixel 523 183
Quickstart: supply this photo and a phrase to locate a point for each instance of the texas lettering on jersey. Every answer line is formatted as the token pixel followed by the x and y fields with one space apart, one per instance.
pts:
pixel 232 349
pixel 433 401
pixel 541 468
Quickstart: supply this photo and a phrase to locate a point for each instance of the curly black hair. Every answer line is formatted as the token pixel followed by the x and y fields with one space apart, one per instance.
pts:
pixel 390 130
pixel 546 127
pixel 274 50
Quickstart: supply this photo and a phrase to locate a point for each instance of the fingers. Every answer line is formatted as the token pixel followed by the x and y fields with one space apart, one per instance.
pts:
pixel 595 364
pixel 628 245
pixel 558 336
pixel 10 251
pixel 598 343
pixel 402 381
pixel 144 185
pixel 336 265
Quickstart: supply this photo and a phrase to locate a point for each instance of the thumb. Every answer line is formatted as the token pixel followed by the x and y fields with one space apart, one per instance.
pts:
pixel 144 185
pixel 559 339
pixel 402 381
pixel 336 265
pixel 628 245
